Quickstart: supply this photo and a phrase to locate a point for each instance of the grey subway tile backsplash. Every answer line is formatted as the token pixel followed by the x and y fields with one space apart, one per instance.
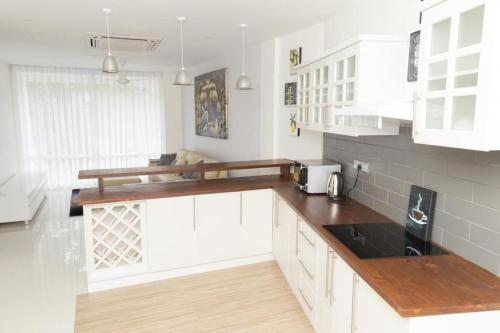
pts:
pixel 467 216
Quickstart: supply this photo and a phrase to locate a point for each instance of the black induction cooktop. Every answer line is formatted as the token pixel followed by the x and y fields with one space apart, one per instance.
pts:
pixel 382 240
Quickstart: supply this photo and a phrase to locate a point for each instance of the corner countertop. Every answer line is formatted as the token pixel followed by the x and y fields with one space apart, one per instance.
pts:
pixel 413 286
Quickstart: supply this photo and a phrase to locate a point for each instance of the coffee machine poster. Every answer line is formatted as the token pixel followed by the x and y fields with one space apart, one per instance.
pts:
pixel 421 212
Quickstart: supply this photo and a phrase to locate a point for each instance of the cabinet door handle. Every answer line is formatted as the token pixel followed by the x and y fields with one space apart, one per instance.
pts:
pixel 194 213
pixel 353 303
pixel 277 222
pixel 297 236
pixel 307 238
pixel 332 277
pixel 305 299
pixel 330 257
pixel 311 276
pixel 241 208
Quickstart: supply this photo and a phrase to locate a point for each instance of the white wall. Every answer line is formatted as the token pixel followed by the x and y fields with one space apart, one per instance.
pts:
pixel 244 112
pixel 356 17
pixel 8 150
pixel 173 114
pixel 309 143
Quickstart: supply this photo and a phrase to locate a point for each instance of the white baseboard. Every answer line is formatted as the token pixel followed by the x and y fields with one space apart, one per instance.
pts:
pixel 124 281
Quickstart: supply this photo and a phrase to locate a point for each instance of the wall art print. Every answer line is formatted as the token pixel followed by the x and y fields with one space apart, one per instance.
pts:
pixel 290 93
pixel 421 212
pixel 294 130
pixel 413 57
pixel 295 59
pixel 210 104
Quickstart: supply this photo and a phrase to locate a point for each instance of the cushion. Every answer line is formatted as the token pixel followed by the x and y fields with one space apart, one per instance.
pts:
pixel 191 175
pixel 167 159
pixel 164 178
pixel 153 161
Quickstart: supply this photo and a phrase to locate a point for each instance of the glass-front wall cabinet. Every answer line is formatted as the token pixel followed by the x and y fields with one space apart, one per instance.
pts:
pixel 452 108
pixel 303 96
pixel 344 86
pixel 321 101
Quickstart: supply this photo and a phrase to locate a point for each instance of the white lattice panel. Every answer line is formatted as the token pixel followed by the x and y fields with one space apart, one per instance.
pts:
pixel 115 235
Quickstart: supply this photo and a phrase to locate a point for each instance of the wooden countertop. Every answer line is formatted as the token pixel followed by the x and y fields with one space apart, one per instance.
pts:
pixel 413 286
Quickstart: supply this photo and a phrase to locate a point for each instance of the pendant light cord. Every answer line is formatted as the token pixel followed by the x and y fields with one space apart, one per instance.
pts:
pixel 243 44
pixel 107 27
pixel 182 46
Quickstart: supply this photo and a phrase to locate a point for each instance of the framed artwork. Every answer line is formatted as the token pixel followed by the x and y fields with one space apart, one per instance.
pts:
pixel 290 93
pixel 295 59
pixel 293 129
pixel 210 104
pixel 421 212
pixel 413 57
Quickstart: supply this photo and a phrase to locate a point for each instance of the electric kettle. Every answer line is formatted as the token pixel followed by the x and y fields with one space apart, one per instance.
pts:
pixel 335 186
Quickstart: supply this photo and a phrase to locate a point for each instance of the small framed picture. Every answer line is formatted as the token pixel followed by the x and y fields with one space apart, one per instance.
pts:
pixel 421 212
pixel 295 59
pixel 294 130
pixel 413 57
pixel 290 93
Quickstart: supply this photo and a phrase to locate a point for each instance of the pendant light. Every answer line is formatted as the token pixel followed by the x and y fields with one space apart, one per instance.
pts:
pixel 182 78
pixel 243 82
pixel 109 65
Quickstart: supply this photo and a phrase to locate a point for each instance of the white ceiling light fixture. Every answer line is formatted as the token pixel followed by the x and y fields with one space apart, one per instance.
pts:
pixel 243 82
pixel 182 78
pixel 109 65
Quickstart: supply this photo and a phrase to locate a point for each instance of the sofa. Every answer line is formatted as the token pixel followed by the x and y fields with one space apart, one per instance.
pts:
pixel 183 157
pixel 186 157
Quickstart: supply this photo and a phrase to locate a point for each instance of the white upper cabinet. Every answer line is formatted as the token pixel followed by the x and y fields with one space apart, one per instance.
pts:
pixel 458 98
pixel 357 88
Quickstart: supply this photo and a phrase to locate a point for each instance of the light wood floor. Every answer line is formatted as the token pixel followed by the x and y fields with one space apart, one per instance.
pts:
pixel 254 298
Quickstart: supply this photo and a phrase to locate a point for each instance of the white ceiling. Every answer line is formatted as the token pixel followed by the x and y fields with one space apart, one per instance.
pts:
pixel 50 32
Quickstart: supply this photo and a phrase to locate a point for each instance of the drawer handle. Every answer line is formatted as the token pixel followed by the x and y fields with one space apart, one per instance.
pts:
pixel 306 270
pixel 305 299
pixel 307 238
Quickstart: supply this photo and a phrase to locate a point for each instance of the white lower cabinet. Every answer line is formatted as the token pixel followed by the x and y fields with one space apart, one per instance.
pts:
pixel 172 236
pixel 371 314
pixel 256 222
pixel 218 226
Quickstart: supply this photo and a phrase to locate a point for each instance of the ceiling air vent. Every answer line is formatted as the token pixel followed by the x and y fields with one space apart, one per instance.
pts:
pixel 122 42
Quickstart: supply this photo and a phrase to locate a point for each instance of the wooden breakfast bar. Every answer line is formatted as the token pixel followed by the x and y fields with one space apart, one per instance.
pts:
pixel 213 224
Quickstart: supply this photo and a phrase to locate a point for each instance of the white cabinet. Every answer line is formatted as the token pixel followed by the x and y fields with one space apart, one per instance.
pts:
pixel 458 99
pixel 371 314
pixel 171 233
pixel 218 226
pixel 357 88
pixel 284 241
pixel 325 291
pixel 256 222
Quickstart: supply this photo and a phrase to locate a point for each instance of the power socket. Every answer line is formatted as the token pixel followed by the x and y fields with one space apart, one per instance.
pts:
pixel 364 166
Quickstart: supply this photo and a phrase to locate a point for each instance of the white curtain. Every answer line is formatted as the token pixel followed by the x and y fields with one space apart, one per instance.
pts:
pixel 74 119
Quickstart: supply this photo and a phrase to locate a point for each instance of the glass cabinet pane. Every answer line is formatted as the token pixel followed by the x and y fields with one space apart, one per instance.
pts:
pixel 465 81
pixel 306 81
pixel 440 37
pixel 339 93
pixel 339 70
pixel 435 113
pixel 351 67
pixel 436 85
pixel 470 28
pixel 317 96
pixel 438 68
pixel 467 63
pixel 325 74
pixel 324 96
pixel 301 81
pixel 349 91
pixel 317 77
pixel 463 111
pixel 306 97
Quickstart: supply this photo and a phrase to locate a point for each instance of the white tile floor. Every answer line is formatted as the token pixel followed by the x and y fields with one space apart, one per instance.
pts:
pixel 42 269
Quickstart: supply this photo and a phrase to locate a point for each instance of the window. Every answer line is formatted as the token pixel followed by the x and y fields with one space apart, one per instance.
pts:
pixel 73 119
